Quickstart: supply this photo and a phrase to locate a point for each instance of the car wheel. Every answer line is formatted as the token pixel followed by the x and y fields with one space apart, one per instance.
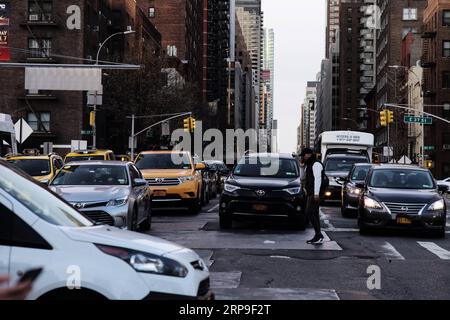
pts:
pixel 134 221
pixel 225 222
pixel 147 224
pixel 363 230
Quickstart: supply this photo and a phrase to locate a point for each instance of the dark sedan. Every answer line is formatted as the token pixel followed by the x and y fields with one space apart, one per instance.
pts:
pixel 350 192
pixel 263 187
pixel 402 197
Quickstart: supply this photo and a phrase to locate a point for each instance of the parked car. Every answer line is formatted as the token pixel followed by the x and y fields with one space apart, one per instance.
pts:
pixel 40 229
pixel 350 192
pixel 398 196
pixel 174 179
pixel 263 186
pixel 108 192
pixel 41 167
pixel 445 182
pixel 90 155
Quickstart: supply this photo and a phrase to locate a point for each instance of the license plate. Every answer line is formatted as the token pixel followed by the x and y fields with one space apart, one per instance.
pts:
pixel 159 193
pixel 260 207
pixel 404 221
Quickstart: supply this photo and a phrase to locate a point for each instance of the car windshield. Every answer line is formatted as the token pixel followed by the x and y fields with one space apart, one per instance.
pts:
pixel 91 175
pixel 402 179
pixel 267 168
pixel 343 164
pixel 84 158
pixel 40 200
pixel 34 167
pixel 163 161
pixel 360 173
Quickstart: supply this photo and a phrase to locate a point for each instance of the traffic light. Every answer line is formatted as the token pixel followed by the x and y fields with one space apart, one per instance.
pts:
pixel 390 117
pixel 92 118
pixel 193 125
pixel 383 118
pixel 187 124
pixel 429 164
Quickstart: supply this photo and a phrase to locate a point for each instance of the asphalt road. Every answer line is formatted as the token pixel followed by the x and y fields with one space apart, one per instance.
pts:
pixel 271 261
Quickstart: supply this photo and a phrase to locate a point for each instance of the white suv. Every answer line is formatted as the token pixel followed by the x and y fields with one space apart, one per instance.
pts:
pixel 39 229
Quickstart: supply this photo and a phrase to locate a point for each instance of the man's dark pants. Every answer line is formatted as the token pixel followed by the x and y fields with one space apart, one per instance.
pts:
pixel 312 210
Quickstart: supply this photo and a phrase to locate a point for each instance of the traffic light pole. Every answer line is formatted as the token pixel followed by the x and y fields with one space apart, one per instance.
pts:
pixel 134 135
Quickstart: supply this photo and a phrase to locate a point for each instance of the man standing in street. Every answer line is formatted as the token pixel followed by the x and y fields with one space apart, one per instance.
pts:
pixel 314 184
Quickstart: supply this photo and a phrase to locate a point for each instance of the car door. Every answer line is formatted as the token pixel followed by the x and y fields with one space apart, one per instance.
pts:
pixel 139 193
pixel 6 212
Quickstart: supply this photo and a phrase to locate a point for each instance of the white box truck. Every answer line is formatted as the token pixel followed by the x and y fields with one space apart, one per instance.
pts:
pixel 8 141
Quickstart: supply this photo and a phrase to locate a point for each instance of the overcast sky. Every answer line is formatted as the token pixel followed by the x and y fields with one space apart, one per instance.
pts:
pixel 299 49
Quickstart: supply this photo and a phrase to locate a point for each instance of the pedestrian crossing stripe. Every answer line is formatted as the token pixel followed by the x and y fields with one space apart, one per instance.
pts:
pixel 436 250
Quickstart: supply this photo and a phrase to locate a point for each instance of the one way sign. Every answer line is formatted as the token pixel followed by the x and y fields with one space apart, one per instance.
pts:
pixel 23 131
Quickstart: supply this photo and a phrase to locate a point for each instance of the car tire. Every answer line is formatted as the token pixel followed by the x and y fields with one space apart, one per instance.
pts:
pixel 363 230
pixel 226 222
pixel 134 221
pixel 147 224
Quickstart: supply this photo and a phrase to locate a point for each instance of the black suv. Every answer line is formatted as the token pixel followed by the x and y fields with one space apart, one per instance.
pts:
pixel 263 186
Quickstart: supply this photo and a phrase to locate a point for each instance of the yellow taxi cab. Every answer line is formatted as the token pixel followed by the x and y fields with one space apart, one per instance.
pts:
pixel 123 158
pixel 89 155
pixel 41 167
pixel 173 177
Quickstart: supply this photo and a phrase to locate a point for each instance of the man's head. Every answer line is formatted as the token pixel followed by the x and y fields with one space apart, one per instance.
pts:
pixel 306 154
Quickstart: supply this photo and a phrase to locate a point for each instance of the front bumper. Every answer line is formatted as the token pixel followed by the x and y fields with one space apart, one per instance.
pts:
pixel 244 205
pixel 113 216
pixel 333 194
pixel 382 220
pixel 352 201
pixel 182 194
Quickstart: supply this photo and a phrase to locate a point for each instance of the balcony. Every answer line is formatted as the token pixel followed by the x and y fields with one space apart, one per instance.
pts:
pixel 41 19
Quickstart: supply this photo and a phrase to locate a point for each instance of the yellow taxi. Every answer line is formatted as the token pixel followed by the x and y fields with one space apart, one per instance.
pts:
pixel 41 167
pixel 89 155
pixel 123 158
pixel 173 177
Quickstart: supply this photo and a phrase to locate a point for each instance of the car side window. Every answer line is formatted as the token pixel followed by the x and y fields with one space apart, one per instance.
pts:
pixel 17 233
pixel 57 164
pixel 134 173
pixel 112 156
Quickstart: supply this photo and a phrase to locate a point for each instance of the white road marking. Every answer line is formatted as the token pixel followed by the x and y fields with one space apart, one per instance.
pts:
pixel 341 230
pixel 390 252
pixel 214 208
pixel 325 218
pixel 280 257
pixel 264 294
pixel 436 250
pixel 269 242
pixel 225 280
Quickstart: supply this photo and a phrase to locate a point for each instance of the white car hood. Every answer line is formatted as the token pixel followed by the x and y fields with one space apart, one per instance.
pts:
pixel 122 238
pixel 90 193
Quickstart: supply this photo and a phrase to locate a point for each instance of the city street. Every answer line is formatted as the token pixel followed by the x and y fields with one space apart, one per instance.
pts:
pixel 270 261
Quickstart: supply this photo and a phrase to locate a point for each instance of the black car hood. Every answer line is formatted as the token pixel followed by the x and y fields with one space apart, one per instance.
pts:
pixel 264 183
pixel 404 195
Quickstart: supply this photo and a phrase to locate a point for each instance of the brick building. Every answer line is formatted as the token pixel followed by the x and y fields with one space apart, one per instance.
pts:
pixel 398 18
pixel 436 88
pixel 38 33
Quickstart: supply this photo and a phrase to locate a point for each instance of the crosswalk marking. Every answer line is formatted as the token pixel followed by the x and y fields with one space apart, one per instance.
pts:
pixel 390 252
pixel 225 280
pixel 436 250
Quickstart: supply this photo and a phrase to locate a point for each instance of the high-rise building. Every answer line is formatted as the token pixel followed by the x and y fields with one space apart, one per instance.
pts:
pixel 323 114
pixel 398 18
pixel 269 66
pixel 308 134
pixel 250 17
pixel 436 87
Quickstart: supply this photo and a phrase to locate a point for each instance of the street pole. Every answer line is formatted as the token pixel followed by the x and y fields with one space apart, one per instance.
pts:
pixel 94 125
pixel 388 143
pixel 132 136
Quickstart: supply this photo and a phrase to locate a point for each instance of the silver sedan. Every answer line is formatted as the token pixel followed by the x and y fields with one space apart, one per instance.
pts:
pixel 108 192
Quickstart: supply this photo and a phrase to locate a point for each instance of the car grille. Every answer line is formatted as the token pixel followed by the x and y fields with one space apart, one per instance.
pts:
pixel 405 208
pixel 100 217
pixel 164 182
pixel 203 288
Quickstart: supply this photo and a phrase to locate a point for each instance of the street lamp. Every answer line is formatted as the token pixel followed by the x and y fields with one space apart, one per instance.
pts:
pixel 94 122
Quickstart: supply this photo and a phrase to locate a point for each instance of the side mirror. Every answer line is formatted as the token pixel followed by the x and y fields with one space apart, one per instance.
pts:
pixel 139 182
pixel 443 188
pixel 200 166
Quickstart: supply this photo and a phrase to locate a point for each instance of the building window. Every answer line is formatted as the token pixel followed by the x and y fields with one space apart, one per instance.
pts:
pixel 36 125
pixel 446 49
pixel 151 12
pixel 446 18
pixel 39 48
pixel 40 10
pixel 410 14
pixel 446 80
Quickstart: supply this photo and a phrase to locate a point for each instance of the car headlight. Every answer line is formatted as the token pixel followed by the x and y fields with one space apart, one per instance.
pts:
pixel 230 188
pixel 437 206
pixel 293 191
pixel 117 202
pixel 371 203
pixel 355 191
pixel 185 179
pixel 146 262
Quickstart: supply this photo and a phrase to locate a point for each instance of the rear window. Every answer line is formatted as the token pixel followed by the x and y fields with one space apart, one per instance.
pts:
pixel 85 158
pixel 91 175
